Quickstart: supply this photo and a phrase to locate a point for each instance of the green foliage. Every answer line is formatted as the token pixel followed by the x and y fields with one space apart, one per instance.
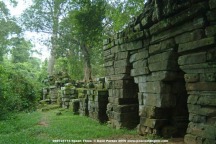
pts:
pixel 20 89
pixel 119 14
pixel 20 50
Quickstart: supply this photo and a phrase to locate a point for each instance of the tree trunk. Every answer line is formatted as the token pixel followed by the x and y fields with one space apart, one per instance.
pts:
pixel 54 38
pixel 51 62
pixel 87 63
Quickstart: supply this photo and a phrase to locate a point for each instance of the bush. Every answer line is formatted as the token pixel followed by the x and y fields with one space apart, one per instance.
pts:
pixel 19 88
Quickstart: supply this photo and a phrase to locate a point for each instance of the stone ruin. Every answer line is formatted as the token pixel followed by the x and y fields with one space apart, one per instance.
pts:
pixel 162 74
pixel 162 69
pixel 87 99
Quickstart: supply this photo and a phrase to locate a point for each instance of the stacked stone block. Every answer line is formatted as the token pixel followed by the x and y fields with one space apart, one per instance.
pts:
pixel 53 94
pixel 122 109
pixel 83 101
pixel 97 104
pixel 198 61
pixel 68 92
pixel 169 51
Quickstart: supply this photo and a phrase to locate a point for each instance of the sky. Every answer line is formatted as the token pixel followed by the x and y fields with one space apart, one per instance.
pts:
pixel 32 36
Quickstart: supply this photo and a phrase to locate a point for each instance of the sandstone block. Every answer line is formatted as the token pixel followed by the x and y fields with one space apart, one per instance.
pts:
pixel 140 63
pixel 153 112
pixel 123 70
pixel 169 55
pixel 191 78
pixel 204 110
pixel 121 63
pixel 162 76
pixel 191 25
pixel 121 55
pixel 201 86
pixel 140 71
pixel 153 123
pixel 202 130
pixel 196 44
pixel 159 100
pixel 108 64
pixel 155 87
pixel 168 65
pixel 190 139
pixel 190 36
pixel 197 118
pixel 142 54
pixel 126 108
pixel 192 58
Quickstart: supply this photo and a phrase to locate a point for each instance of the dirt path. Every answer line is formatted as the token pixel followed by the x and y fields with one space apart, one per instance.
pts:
pixel 44 120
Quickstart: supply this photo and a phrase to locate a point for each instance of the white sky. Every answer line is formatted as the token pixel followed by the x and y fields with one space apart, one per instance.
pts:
pixel 32 36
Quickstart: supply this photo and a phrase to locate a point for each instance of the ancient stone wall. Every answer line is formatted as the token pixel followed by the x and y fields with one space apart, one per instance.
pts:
pixel 162 70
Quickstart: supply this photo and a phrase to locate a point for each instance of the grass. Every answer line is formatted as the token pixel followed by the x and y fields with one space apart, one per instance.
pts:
pixel 43 127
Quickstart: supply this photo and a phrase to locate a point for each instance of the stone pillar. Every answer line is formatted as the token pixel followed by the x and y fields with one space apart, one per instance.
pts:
pixel 122 109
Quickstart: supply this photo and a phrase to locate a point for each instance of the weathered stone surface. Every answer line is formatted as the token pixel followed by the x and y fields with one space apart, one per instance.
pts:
pixel 191 77
pixel 208 77
pixel 140 71
pixel 169 65
pixel 107 53
pixel 110 71
pixel 154 112
pixel 210 31
pixel 190 139
pixel 169 55
pixel 131 46
pixel 109 58
pixel 153 123
pixel 119 77
pixel 196 44
pixel 108 64
pixel 157 76
pixel 138 56
pixel 155 87
pixel 202 130
pixel 121 55
pixel 126 108
pixel 201 110
pixel 196 24
pixel 203 99
pixel 159 100
pixel 197 118
pixel 140 63
pixel 190 36
pixel 123 70
pixel 201 86
pixel 121 63
pixel 192 58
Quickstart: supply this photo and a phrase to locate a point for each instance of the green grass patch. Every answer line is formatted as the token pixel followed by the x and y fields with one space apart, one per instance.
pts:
pixel 43 127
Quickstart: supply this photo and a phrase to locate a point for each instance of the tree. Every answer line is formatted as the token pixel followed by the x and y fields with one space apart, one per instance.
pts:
pixel 119 14
pixel 8 29
pixel 44 16
pixel 20 50
pixel 85 30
